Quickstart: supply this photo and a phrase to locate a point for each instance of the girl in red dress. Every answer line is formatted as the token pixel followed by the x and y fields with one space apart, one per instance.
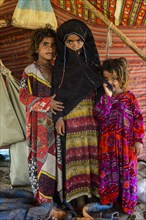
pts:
pixel 121 132
pixel 35 94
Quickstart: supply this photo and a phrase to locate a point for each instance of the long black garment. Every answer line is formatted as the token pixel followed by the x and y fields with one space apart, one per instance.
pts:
pixel 76 73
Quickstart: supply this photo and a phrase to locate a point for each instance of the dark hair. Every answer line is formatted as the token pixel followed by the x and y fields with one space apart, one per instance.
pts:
pixel 37 37
pixel 119 65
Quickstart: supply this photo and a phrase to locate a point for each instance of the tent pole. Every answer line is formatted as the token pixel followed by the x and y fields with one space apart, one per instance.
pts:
pixel 119 33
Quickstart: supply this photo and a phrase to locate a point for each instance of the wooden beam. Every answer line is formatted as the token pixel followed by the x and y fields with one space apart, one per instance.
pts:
pixel 119 33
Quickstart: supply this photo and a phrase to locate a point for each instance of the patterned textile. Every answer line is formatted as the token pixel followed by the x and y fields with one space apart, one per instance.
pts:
pixel 131 13
pixel 81 151
pixel 120 126
pixel 35 95
pixel 135 13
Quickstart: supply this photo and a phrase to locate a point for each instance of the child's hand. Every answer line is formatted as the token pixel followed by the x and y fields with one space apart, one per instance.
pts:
pixel 108 92
pixel 138 148
pixel 60 126
pixel 55 105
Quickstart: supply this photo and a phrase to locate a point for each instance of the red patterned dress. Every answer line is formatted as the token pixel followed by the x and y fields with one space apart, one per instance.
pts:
pixel 35 95
pixel 120 126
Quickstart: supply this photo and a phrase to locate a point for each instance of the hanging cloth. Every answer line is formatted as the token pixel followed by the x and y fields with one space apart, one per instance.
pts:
pixel 34 14
pixel 13 86
pixel 10 128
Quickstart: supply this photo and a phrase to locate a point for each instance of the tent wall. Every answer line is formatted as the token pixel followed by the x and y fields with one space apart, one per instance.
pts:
pixel 14 44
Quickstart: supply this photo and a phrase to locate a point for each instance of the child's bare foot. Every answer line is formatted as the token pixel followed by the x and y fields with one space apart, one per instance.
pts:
pixel 57 214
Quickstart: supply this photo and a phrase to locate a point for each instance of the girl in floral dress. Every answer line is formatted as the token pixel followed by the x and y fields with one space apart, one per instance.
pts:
pixel 35 94
pixel 121 130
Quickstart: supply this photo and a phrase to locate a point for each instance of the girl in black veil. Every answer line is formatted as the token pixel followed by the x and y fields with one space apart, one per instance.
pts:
pixel 77 81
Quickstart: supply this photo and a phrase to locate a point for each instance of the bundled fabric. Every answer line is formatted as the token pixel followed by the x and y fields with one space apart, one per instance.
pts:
pixel 142 181
pixel 12 122
pixel 19 204
pixel 19 164
pixel 91 210
pixel 13 86
pixel 34 14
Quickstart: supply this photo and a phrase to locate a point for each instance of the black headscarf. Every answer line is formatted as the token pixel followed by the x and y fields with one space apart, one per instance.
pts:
pixel 76 74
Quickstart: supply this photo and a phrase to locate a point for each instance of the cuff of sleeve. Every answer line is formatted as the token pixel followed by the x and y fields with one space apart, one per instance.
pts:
pixel 57 116
pixel 138 140
pixel 106 99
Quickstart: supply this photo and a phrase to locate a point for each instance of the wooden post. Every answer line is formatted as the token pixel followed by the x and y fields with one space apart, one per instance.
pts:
pixel 119 33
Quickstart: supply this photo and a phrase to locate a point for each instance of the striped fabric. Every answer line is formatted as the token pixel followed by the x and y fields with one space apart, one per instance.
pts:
pixel 81 151
pixel 131 12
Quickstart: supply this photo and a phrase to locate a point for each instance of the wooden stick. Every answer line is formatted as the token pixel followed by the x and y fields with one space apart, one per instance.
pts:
pixel 119 33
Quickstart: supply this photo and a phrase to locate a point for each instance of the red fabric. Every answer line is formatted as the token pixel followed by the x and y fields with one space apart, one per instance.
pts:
pixel 35 95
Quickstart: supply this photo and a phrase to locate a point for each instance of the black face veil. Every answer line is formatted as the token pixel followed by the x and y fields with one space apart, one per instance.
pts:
pixel 76 73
